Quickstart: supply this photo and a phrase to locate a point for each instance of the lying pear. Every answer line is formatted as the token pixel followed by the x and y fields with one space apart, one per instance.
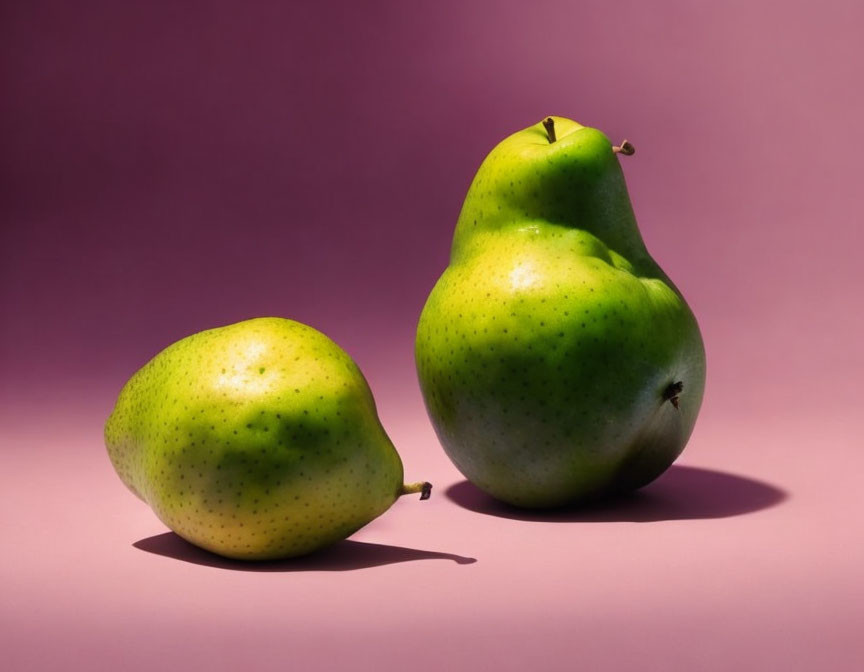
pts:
pixel 557 360
pixel 257 440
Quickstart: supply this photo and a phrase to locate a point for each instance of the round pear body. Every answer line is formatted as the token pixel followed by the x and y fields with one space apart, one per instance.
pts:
pixel 557 360
pixel 257 440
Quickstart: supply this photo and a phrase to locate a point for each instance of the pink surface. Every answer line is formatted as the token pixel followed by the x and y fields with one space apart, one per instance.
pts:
pixel 747 557
pixel 163 171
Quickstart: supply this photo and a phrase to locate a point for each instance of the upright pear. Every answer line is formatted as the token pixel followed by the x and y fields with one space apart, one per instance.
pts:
pixel 557 360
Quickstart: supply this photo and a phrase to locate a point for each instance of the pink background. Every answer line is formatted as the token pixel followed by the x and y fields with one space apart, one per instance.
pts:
pixel 171 167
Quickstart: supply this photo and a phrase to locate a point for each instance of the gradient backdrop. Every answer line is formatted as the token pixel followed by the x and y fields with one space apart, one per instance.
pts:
pixel 168 167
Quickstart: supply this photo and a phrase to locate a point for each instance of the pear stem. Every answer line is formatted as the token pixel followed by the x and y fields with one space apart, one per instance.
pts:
pixel 626 148
pixel 672 391
pixel 549 125
pixel 423 487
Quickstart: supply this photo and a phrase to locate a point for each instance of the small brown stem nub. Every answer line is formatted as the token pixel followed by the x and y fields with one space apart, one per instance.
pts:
pixel 672 391
pixel 626 148
pixel 423 487
pixel 549 125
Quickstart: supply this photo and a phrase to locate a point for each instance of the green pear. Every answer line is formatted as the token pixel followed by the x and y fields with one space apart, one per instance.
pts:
pixel 258 440
pixel 557 360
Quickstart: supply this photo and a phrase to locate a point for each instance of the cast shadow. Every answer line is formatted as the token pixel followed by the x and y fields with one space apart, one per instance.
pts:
pixel 340 557
pixel 682 493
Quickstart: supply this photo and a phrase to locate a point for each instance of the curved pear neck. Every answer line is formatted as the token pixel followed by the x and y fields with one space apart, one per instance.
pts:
pixel 574 182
